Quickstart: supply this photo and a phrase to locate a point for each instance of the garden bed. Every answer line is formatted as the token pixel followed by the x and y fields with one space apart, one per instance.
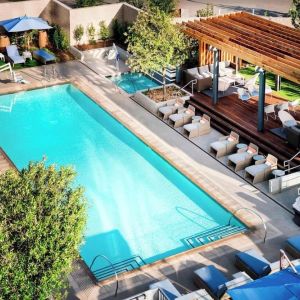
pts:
pixel 98 44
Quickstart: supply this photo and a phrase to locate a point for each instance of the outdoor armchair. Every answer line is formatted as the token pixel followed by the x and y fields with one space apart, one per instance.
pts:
pixel 197 128
pixel 225 145
pixel 13 55
pixel 165 111
pixel 287 119
pixel 242 158
pixel 270 110
pixel 243 94
pixel 293 105
pixel 183 116
pixel 260 172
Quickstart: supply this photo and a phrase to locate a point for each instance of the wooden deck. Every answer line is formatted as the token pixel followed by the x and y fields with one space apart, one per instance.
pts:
pixel 232 114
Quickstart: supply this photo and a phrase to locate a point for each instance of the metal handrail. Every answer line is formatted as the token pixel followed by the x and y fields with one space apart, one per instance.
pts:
pixel 193 82
pixel 138 296
pixel 111 264
pixel 287 163
pixel 255 213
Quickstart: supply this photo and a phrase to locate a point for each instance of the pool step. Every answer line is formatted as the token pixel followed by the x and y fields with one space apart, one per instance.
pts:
pixel 125 265
pixel 212 235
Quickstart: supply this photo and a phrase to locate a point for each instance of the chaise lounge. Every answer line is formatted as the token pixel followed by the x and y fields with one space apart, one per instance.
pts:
pixel 13 55
pixel 260 172
pixel 43 56
pixel 293 246
pixel 167 289
pixel 253 264
pixel 212 279
pixel 197 128
pixel 225 145
pixel 165 111
pixel 242 158
pixel 183 117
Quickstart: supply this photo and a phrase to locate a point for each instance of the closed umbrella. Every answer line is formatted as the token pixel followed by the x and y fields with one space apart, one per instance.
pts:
pixel 24 24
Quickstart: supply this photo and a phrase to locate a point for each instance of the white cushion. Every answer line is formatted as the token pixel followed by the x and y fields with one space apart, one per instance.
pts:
pixel 198 76
pixel 193 71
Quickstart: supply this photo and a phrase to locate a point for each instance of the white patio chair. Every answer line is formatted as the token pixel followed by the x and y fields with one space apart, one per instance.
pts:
pixel 283 106
pixel 243 94
pixel 293 105
pixel 270 109
pixel 286 119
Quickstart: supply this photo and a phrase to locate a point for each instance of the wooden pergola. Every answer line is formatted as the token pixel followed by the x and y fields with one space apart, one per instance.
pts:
pixel 242 36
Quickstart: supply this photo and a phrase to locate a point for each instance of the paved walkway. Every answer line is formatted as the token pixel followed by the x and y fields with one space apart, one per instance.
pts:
pixel 231 190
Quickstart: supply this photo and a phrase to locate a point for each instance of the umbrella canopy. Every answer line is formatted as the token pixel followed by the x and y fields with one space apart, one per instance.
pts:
pixel 24 23
pixel 282 285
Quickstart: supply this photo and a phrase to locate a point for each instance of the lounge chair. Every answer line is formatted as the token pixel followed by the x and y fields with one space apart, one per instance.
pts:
pixel 253 264
pixel 167 288
pixel 225 145
pixel 283 106
pixel 13 55
pixel 183 116
pixel 43 56
pixel 212 279
pixel 286 119
pixel 293 246
pixel 197 127
pixel 165 111
pixel 242 158
pixel 260 172
pixel 243 94
pixel 251 81
pixel 293 105
pixel 270 110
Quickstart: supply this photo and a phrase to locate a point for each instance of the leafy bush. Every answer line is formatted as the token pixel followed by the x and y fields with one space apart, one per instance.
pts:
pixel 91 33
pixel 42 218
pixel 295 13
pixel 167 6
pixel 104 33
pixel 60 38
pixel 88 3
pixel 119 30
pixel 78 33
pixel 136 3
pixel 208 11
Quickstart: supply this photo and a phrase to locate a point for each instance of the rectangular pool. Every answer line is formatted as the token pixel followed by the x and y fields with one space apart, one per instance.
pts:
pixel 134 82
pixel 141 209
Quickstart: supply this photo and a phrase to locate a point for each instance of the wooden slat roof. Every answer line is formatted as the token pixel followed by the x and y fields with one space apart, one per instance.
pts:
pixel 270 45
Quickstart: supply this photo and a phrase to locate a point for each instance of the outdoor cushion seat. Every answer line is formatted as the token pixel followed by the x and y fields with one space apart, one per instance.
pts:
pixel 237 157
pixel 13 54
pixel 213 280
pixel 43 56
pixel 253 264
pixel 167 288
pixel 176 117
pixel 255 169
pixel 293 246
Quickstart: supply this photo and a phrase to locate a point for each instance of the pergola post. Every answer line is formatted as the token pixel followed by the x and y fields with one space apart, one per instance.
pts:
pixel 215 76
pixel 261 99
pixel 277 83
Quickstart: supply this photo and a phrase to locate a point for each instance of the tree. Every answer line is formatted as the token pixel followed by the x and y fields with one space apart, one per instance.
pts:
pixel 155 43
pixel 78 33
pixel 295 13
pixel 167 6
pixel 104 33
pixel 91 33
pixel 42 218
pixel 136 3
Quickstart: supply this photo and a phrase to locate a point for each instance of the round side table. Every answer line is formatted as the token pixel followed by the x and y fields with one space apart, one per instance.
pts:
pixel 278 173
pixel 241 146
pixel 258 158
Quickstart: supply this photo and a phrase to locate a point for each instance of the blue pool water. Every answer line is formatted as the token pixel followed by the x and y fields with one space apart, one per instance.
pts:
pixel 133 82
pixel 138 203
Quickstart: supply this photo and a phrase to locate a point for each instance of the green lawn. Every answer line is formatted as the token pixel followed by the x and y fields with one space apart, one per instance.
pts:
pixel 28 64
pixel 289 90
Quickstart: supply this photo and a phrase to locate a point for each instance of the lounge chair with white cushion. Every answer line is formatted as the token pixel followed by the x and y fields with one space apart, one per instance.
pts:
pixel 293 105
pixel 242 158
pixel 167 289
pixel 165 111
pixel 13 55
pixel 260 172
pixel 286 119
pixel 225 145
pixel 270 110
pixel 197 127
pixel 183 116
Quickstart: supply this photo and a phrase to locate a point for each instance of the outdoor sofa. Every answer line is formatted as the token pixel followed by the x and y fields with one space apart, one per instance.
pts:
pixel 213 280
pixel 293 246
pixel 13 55
pixel 204 80
pixel 225 145
pixel 43 56
pixel 253 264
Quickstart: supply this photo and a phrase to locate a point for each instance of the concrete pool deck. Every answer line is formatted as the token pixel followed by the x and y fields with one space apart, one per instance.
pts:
pixel 227 187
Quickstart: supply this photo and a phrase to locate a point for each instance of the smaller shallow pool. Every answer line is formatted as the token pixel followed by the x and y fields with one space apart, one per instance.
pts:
pixel 133 82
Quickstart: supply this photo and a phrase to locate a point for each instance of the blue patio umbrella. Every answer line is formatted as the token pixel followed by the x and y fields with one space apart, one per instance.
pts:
pixel 24 23
pixel 282 285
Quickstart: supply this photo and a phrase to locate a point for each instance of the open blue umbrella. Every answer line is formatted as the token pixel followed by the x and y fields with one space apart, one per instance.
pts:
pixel 282 285
pixel 24 23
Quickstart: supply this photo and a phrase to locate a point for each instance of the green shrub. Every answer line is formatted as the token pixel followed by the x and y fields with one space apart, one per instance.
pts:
pixel 208 11
pixel 136 3
pixel 60 38
pixel 88 3
pixel 78 33
pixel 119 30
pixel 91 33
pixel 294 13
pixel 42 218
pixel 104 33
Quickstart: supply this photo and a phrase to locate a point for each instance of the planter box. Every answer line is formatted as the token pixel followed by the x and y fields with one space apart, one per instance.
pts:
pixel 153 106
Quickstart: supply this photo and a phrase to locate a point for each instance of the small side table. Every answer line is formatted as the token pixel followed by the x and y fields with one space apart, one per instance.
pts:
pixel 27 54
pixel 196 119
pixel 278 173
pixel 258 159
pixel 2 57
pixel 241 146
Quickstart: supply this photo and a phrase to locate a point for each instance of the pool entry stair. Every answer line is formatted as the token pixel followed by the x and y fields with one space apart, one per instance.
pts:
pixel 212 235
pixel 112 269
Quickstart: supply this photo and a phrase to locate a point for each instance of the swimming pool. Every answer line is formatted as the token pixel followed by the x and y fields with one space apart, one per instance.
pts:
pixel 133 82
pixel 141 209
